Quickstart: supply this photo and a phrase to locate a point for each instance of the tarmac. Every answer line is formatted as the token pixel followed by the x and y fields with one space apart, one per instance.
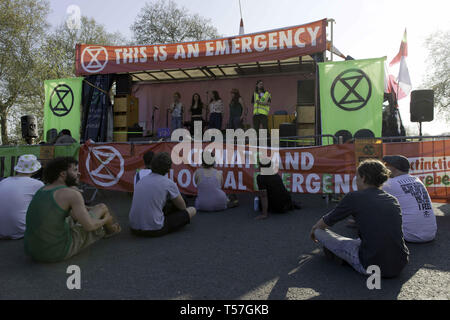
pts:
pixel 224 255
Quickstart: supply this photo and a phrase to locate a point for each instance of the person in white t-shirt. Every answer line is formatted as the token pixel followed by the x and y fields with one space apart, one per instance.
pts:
pixel 141 173
pixel 15 195
pixel 418 219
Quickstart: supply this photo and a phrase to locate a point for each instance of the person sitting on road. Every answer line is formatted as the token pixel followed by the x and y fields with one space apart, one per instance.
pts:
pixel 157 211
pixel 272 193
pixel 209 181
pixel 65 136
pixel 58 225
pixel 379 220
pixel 16 193
pixel 418 219
pixel 141 173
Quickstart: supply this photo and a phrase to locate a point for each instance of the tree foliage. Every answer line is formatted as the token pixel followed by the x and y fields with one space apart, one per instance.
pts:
pixel 31 52
pixel 164 22
pixel 438 75
pixel 22 26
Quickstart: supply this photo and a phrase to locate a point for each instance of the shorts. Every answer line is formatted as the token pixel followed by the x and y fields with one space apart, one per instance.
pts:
pixel 172 222
pixel 81 238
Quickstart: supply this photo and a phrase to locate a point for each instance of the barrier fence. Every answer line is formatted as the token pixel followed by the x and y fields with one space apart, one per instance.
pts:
pixel 315 170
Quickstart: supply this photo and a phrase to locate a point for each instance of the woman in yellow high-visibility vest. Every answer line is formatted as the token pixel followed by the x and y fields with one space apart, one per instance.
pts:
pixel 261 100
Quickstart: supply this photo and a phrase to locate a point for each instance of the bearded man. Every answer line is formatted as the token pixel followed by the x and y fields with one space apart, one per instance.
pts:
pixel 58 224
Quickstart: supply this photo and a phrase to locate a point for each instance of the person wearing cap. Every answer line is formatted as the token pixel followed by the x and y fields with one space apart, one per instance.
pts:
pixel 16 193
pixel 379 220
pixel 418 219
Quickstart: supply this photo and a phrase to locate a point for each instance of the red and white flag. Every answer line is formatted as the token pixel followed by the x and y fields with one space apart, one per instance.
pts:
pixel 402 85
pixel 241 27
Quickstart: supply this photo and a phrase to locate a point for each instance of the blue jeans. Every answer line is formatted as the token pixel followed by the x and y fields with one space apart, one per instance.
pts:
pixel 175 123
pixel 344 248
pixel 215 121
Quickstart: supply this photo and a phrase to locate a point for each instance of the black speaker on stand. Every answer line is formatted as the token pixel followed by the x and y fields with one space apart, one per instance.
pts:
pixel 422 107
pixel 29 128
pixel 288 129
pixel 123 84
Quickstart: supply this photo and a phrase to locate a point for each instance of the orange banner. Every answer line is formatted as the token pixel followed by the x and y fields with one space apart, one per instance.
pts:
pixel 430 162
pixel 315 170
pixel 270 45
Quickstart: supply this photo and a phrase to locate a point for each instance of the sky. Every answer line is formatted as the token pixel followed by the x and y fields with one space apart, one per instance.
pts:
pixel 363 28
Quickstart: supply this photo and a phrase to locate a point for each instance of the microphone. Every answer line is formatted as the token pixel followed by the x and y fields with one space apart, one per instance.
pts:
pixel 155 107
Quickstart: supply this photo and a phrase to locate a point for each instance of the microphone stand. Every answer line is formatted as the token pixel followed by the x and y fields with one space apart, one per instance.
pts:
pixel 153 121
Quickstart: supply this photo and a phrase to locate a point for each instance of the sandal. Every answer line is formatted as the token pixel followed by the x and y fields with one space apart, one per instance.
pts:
pixel 116 229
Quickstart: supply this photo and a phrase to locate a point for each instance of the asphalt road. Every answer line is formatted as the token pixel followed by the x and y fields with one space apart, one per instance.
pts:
pixel 224 255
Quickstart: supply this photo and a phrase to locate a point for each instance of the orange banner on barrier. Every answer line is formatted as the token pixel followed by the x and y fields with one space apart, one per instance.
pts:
pixel 315 170
pixel 270 45
pixel 429 161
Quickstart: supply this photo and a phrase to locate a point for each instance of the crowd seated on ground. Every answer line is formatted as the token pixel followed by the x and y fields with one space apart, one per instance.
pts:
pixel 56 224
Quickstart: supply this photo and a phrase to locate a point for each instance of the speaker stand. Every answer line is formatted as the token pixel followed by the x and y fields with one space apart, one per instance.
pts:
pixel 420 130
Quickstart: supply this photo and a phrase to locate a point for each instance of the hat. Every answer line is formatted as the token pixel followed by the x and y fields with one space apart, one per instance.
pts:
pixel 398 162
pixel 28 163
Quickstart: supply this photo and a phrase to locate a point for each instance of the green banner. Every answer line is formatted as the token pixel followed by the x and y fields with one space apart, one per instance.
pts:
pixel 10 155
pixel 351 96
pixel 62 109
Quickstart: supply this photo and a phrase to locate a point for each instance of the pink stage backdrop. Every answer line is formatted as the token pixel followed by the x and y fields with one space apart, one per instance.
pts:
pixel 282 88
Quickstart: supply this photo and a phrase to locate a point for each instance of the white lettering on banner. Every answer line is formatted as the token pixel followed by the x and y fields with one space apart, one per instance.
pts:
pixel 313 34
pixel 272 41
pixel 246 41
pixel 297 181
pixel 184 178
pixel 298 43
pixel 230 181
pixel 278 40
pixel 260 45
pixel 193 50
pixel 307 161
pixel 342 185
pixel 286 40
pixel 313 186
pixel 180 52
pixel 222 47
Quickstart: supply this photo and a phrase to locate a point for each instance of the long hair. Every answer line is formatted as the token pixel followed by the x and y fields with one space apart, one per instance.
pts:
pixel 199 103
pixel 215 96
pixel 236 95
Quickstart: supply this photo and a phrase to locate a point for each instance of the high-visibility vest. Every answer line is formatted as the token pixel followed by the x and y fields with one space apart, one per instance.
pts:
pixel 259 108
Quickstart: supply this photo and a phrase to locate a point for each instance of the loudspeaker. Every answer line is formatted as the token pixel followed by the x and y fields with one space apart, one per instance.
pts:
pixel 305 92
pixel 29 127
pixel 288 130
pixel 123 84
pixel 422 105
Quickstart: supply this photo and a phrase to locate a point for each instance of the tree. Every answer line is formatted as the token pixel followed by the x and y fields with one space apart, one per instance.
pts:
pixel 165 22
pixel 55 59
pixel 438 75
pixel 22 26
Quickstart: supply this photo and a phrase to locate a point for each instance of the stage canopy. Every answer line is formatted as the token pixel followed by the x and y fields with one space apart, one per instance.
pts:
pixel 275 51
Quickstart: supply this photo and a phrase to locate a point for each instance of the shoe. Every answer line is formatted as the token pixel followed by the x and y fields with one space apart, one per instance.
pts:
pixel 331 256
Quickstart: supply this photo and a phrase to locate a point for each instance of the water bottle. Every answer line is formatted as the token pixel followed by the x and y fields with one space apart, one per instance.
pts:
pixel 256 203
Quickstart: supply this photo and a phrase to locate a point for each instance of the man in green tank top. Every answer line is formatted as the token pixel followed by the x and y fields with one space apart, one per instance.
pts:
pixel 58 224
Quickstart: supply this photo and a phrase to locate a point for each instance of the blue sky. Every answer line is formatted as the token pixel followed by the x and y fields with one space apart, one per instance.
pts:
pixel 363 29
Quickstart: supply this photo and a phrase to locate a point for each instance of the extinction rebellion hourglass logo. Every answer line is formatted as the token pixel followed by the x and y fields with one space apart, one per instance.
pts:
pixel 351 90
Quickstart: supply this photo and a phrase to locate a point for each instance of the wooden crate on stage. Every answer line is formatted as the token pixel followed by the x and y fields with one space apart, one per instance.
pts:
pixel 275 120
pixel 126 114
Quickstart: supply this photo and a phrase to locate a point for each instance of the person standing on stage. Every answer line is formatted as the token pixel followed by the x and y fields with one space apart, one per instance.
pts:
pixel 196 111
pixel 261 100
pixel 176 109
pixel 216 111
pixel 236 110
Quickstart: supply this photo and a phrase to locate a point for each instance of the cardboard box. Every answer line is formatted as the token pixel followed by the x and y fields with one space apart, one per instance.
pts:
pixel 119 136
pixel 306 114
pixel 274 121
pixel 120 121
